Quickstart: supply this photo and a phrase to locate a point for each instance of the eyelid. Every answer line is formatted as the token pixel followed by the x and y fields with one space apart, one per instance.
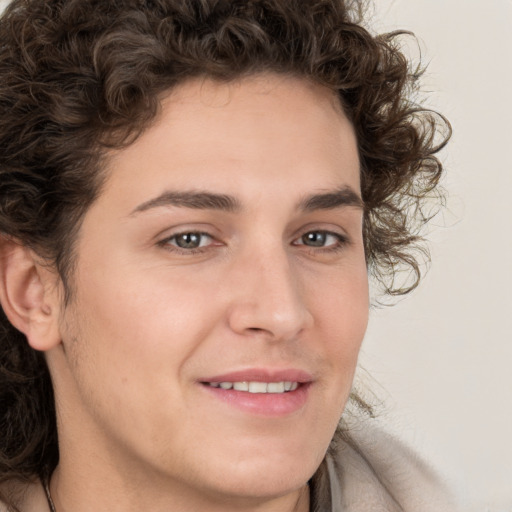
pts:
pixel 323 231
pixel 321 227
pixel 342 240
pixel 165 242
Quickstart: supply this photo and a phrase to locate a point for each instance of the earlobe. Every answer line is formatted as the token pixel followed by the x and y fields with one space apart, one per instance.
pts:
pixel 27 296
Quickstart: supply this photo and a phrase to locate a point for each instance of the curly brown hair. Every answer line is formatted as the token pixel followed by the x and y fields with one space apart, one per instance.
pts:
pixel 80 77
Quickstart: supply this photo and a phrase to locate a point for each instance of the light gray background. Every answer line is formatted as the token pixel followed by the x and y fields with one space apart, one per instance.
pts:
pixel 443 356
pixel 441 359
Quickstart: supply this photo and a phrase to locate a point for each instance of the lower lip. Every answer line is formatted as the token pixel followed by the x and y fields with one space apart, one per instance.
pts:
pixel 264 404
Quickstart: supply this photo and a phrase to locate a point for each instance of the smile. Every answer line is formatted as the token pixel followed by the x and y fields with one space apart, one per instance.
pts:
pixel 256 387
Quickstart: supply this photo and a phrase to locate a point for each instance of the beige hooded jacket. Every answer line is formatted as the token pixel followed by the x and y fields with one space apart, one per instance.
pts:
pixel 377 473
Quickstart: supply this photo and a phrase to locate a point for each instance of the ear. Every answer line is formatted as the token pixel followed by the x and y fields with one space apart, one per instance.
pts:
pixel 29 295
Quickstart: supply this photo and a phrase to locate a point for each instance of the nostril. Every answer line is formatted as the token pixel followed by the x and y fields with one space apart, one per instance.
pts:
pixel 255 329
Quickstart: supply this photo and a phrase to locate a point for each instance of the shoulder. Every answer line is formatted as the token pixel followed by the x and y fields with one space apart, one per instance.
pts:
pixel 376 471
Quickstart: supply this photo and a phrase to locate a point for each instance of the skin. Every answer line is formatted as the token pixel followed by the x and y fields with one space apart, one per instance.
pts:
pixel 149 320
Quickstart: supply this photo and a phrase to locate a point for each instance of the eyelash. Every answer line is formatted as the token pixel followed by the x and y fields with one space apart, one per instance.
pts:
pixel 166 243
pixel 342 242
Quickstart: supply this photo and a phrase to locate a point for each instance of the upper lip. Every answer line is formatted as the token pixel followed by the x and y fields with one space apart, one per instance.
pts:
pixel 262 375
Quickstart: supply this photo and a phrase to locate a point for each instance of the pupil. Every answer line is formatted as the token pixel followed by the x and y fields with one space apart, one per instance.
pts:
pixel 314 239
pixel 188 241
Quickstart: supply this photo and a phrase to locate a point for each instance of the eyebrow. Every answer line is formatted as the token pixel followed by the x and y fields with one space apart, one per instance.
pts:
pixel 192 199
pixel 199 200
pixel 343 196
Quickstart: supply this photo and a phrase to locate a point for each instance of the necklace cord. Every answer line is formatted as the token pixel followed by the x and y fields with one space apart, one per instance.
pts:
pixel 46 486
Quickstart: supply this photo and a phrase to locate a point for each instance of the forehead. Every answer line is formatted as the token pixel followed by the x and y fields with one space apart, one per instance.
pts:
pixel 257 107
pixel 216 135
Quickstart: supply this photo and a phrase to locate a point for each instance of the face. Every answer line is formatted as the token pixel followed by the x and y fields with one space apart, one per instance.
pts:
pixel 220 293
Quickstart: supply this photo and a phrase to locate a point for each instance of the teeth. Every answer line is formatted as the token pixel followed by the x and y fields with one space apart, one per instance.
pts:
pixel 257 387
pixel 241 386
pixel 275 387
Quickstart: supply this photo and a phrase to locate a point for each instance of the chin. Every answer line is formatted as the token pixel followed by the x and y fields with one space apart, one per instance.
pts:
pixel 263 486
pixel 269 473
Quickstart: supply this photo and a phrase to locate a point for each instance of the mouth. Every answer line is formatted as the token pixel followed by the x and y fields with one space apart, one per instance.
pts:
pixel 261 391
pixel 256 386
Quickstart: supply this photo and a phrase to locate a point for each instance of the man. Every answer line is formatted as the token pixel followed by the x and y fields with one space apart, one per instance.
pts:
pixel 191 198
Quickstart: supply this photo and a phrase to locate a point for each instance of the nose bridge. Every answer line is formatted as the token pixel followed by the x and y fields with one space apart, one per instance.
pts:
pixel 269 296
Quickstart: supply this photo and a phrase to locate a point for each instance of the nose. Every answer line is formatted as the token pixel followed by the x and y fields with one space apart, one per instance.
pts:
pixel 269 298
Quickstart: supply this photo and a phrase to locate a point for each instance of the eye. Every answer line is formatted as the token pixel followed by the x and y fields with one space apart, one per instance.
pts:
pixel 189 240
pixel 322 239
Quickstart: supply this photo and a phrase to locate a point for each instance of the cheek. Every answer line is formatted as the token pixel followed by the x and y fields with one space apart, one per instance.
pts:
pixel 127 341
pixel 343 316
pixel 343 301
pixel 141 324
